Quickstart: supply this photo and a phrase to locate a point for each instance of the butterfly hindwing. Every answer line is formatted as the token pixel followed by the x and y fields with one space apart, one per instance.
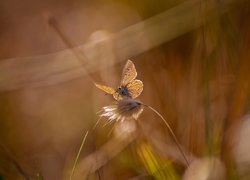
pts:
pixel 135 88
pixel 117 96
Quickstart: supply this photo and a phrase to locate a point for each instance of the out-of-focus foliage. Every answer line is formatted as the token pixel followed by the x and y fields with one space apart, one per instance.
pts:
pixel 157 167
pixel 198 81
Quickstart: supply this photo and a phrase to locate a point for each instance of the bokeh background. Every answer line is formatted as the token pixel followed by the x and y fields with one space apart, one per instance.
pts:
pixel 192 56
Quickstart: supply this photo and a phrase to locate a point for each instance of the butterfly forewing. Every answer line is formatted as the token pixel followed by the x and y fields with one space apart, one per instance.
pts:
pixel 107 89
pixel 135 88
pixel 129 73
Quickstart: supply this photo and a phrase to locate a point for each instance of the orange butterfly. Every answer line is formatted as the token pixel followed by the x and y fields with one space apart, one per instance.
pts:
pixel 130 87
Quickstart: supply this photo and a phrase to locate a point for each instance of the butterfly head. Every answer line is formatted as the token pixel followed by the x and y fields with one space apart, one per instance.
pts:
pixel 123 90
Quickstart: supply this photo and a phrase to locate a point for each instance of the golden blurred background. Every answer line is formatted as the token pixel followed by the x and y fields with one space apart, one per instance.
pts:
pixel 193 57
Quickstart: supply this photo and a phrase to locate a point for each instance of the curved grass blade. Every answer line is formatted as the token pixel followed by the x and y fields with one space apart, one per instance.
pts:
pixel 171 132
pixel 78 155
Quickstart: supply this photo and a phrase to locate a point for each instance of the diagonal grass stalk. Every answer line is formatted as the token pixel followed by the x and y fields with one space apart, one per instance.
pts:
pixel 171 132
pixel 78 155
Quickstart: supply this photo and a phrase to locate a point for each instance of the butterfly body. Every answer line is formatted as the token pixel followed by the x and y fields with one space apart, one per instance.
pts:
pixel 123 90
pixel 130 87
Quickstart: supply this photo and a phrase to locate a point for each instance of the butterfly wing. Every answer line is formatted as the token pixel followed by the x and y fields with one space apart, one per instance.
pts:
pixel 135 88
pixel 117 96
pixel 106 89
pixel 129 73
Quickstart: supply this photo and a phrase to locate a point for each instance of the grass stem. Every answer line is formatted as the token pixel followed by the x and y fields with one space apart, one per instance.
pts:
pixel 171 132
pixel 78 155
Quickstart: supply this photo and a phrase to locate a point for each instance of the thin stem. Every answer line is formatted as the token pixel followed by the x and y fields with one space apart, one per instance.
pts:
pixel 78 53
pixel 14 162
pixel 171 132
pixel 78 155
pixel 111 130
pixel 97 122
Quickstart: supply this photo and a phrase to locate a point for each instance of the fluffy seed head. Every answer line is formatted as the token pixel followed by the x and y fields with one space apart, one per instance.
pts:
pixel 127 108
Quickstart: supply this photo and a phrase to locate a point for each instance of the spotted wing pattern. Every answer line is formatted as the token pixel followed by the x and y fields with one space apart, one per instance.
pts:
pixel 117 96
pixel 107 89
pixel 135 88
pixel 129 73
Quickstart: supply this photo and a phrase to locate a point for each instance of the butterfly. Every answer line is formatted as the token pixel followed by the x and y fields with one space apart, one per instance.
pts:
pixel 129 87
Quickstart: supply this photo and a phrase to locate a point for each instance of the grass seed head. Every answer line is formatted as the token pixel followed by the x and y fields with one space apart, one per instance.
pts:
pixel 127 108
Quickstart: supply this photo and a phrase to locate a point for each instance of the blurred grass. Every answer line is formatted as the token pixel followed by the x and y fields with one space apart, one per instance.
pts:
pixel 156 166
pixel 199 82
